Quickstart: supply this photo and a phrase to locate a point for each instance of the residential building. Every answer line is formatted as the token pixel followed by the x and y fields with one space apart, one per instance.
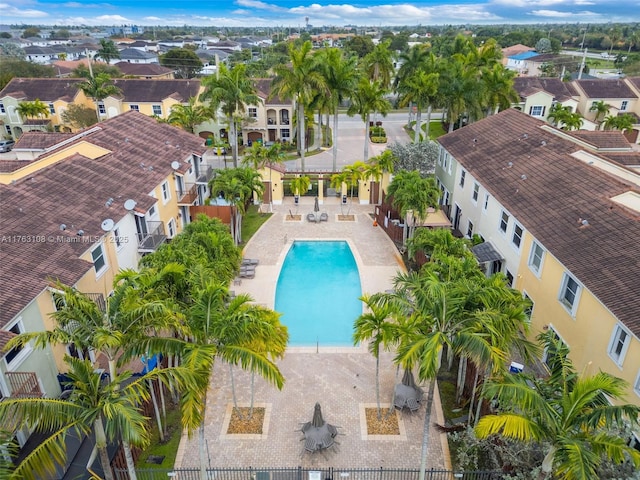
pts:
pixel 518 62
pixel 147 71
pixel 539 94
pixel 87 206
pixel 561 221
pixel 270 120
pixel 134 55
pixel 514 50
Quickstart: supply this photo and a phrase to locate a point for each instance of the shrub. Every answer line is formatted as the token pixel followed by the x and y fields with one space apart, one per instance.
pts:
pixel 379 139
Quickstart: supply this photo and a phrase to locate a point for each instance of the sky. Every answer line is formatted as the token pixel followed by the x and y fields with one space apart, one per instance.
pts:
pixel 293 13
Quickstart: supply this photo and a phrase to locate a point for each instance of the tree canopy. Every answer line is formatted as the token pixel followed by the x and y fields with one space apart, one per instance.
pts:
pixel 184 62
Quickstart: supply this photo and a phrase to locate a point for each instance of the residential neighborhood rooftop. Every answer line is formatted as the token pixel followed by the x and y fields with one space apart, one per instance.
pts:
pixel 31 89
pixel 605 88
pixel 560 90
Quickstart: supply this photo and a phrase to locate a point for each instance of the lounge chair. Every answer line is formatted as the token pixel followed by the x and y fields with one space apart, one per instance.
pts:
pixel 311 217
pixel 412 403
pixel 399 403
pixel 324 217
pixel 247 273
pixel 310 444
pixel 327 441
pixel 250 261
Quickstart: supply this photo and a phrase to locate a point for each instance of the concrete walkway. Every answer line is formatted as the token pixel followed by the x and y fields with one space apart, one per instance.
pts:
pixel 341 379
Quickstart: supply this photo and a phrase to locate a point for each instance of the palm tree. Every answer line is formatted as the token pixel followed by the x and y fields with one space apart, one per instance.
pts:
pixel 500 93
pixel 107 51
pixel 374 326
pixel 419 89
pixel 189 116
pixel 35 109
pixel 573 121
pixel 260 156
pixel 369 97
pixel 231 91
pixel 98 88
pixel 110 409
pixel 459 89
pixel 619 122
pixel 601 108
pixel 416 58
pixel 378 64
pixel 299 81
pixel 569 414
pixel 340 77
pixel 300 184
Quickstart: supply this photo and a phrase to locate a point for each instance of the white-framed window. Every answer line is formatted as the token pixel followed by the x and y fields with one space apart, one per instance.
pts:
pixel 80 353
pixel 509 279
pixel 528 311
pixel 59 302
pixel 171 228
pixel 476 192
pixel 134 107
pixel 569 293
pixel 157 110
pixel 537 110
pixel 101 108
pixel 445 161
pixel 285 133
pixel 619 343
pixel 516 238
pixel 470 229
pixel 152 211
pixel 166 193
pixel 253 112
pixel 16 355
pixel 504 222
pixel 7 128
pixel 636 386
pixel 99 261
pixel 624 105
pixel 463 175
pixel 2 110
pixel 485 205
pixel 535 258
pixel 117 239
pixel 52 109
pixel 547 352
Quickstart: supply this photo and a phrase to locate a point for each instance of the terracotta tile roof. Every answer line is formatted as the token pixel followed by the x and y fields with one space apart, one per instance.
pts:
pixel 156 90
pixel 515 49
pixel 558 191
pixel 142 69
pixel 7 166
pixel 603 139
pixel 635 81
pixel 560 90
pixel 74 192
pixel 45 89
pixel 4 339
pixel 263 86
pixel 628 159
pixel 605 88
pixel 40 140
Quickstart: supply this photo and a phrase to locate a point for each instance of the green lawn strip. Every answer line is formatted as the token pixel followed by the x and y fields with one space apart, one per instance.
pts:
pixel 167 449
pixel 251 222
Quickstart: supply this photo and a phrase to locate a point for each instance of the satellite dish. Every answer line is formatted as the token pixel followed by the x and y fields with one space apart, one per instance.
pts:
pixel 107 225
pixel 175 165
pixel 130 204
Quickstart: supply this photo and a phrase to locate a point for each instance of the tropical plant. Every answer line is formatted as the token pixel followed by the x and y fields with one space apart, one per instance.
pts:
pixel 79 116
pixel 260 156
pixel 107 51
pixel 369 97
pixel 499 91
pixel 299 81
pixel 184 62
pixel 300 184
pixel 98 88
pixel 231 91
pixel 421 157
pixel 619 122
pixel 34 109
pixel 374 326
pixel 569 413
pixel 378 64
pixel 601 108
pixel 189 116
pixel 419 89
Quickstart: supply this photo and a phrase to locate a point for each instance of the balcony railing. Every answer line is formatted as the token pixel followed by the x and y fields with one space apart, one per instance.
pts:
pixel 284 121
pixel 155 237
pixel 23 385
pixel 98 298
pixel 188 195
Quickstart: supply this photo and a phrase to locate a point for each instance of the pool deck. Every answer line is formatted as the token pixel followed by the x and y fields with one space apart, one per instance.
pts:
pixel 342 379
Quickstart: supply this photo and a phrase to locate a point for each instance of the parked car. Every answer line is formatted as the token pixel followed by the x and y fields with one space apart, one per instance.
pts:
pixel 6 145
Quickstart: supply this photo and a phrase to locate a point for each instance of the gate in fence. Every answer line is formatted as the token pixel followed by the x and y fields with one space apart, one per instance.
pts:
pixel 300 473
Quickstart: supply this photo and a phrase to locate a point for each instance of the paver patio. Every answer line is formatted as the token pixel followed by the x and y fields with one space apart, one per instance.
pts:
pixel 341 379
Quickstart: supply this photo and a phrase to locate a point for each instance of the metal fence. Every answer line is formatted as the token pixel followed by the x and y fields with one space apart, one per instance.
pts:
pixel 299 473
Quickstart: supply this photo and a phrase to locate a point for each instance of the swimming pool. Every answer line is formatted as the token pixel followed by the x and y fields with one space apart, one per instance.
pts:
pixel 317 293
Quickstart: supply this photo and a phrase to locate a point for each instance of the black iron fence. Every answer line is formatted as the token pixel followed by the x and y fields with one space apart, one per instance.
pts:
pixel 299 473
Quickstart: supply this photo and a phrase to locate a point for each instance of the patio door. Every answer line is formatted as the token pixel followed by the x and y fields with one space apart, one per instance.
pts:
pixel 456 217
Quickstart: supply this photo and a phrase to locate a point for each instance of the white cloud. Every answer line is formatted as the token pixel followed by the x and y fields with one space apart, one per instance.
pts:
pixel 260 5
pixel 556 13
pixel 12 11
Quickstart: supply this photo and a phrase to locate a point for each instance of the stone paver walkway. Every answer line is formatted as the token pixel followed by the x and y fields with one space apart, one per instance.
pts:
pixel 342 380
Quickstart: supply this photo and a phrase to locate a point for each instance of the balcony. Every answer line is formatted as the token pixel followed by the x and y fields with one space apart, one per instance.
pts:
pixel 150 241
pixel 189 195
pixel 284 121
pixel 23 385
pixel 98 299
pixel 271 121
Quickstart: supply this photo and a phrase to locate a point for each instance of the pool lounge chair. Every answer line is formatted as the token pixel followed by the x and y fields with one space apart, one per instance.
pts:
pixel 412 403
pixel 250 261
pixel 311 217
pixel 324 217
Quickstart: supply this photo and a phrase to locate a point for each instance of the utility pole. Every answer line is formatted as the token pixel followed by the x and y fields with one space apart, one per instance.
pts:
pixel 584 55
pixel 86 52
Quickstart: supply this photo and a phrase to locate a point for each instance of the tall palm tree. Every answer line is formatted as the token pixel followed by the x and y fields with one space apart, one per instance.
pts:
pixel 499 91
pixel 299 81
pixel 374 326
pixel 231 91
pixel 601 108
pixel 107 51
pixel 98 88
pixel 569 413
pixel 619 122
pixel 341 78
pixel 189 116
pixel 411 61
pixel 260 156
pixel 369 97
pixel 420 89
pixel 35 109
pixel 378 64
pixel 459 89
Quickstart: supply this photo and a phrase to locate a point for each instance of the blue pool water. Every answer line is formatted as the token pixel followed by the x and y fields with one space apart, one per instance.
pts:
pixel 317 293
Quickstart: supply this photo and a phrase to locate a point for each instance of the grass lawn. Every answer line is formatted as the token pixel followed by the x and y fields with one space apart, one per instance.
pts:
pixel 251 222
pixel 435 129
pixel 167 449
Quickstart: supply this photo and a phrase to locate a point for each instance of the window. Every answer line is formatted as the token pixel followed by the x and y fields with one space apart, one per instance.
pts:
pixel 569 292
pixel 101 108
pixel 171 227
pixel 537 110
pixel 166 194
pixel 99 263
pixel 17 329
pixel 58 300
pixel 476 192
pixel 2 110
pixel 80 353
pixel 535 257
pixel 504 221
pixel 117 238
pixel 636 388
pixel 624 105
pixel 152 211
pixel 509 279
pixel 445 162
pixel 157 110
pixel 463 174
pixel 516 239
pixel 52 109
pixel 7 128
pixel 284 133
pixel 619 343
pixel 486 202
pixel 550 353
pixel 470 229
pixel 528 311
pixel 134 107
pixel 253 112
